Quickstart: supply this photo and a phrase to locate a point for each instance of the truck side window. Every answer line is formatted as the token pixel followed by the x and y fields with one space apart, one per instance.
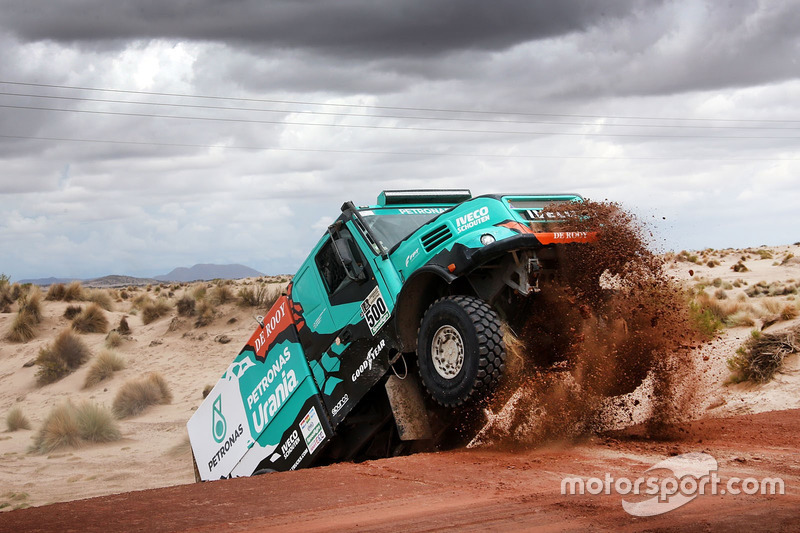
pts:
pixel 330 268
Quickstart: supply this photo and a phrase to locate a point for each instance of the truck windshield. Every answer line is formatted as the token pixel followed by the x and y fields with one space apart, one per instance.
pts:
pixel 390 226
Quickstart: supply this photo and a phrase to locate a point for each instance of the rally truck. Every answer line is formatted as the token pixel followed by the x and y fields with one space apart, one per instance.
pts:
pixel 393 321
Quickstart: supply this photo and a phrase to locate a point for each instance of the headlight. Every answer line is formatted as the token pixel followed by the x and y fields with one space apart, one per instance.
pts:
pixel 487 239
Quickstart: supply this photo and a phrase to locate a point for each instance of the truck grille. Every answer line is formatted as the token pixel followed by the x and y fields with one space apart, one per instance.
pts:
pixel 436 237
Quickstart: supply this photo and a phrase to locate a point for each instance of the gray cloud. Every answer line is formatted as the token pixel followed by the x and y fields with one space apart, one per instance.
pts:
pixel 93 208
pixel 357 27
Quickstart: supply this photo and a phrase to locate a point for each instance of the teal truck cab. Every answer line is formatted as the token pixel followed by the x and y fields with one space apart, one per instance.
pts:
pixel 396 313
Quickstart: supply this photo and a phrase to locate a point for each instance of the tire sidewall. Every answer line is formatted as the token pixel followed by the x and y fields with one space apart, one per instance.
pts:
pixel 458 389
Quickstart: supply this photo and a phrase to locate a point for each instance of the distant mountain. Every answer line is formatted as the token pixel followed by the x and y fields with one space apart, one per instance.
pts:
pixel 206 272
pixel 119 281
pixel 46 282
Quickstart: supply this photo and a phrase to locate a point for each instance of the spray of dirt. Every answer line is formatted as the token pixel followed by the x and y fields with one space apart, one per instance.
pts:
pixel 605 342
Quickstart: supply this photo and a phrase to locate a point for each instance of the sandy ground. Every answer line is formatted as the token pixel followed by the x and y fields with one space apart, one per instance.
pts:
pixel 466 490
pixel 154 451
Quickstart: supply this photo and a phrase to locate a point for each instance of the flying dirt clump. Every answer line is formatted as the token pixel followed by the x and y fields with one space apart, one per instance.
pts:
pixel 607 336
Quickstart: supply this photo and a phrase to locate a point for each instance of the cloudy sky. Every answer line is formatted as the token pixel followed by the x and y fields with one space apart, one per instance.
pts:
pixel 140 136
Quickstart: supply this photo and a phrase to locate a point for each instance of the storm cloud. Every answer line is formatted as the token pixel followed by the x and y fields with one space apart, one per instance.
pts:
pixel 140 136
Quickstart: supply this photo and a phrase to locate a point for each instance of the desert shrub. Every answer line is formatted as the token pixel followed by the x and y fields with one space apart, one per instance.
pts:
pixel 113 339
pixel 96 423
pixel 199 293
pixel 720 294
pixel 100 297
pixel 124 328
pixel 712 263
pixel 91 320
pixel 771 306
pixel 261 297
pixel 704 320
pixel 56 292
pixel 123 294
pixel 764 254
pixel 740 267
pixel 710 314
pixel 789 312
pixel 787 259
pixel 137 395
pixel 762 355
pixel 67 353
pixel 205 314
pixel 742 318
pixel 59 429
pixel 154 310
pixel 72 311
pixel 141 300
pixel 73 292
pixel 186 305
pixel 16 420
pixel 717 282
pixel 222 294
pixel 103 367
pixel 23 328
pixel 31 303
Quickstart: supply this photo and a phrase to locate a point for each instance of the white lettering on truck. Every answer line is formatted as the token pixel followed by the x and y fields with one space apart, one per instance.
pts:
pixel 265 408
pixel 372 354
pixel 269 326
pixel 479 216
pixel 225 447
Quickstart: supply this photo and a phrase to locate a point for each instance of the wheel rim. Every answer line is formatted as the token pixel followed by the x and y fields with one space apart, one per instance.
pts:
pixel 447 352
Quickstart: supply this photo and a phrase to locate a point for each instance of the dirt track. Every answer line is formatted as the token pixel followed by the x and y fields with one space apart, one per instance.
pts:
pixel 466 490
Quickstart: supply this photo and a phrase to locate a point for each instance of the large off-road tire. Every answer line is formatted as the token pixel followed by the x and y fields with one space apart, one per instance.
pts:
pixel 460 350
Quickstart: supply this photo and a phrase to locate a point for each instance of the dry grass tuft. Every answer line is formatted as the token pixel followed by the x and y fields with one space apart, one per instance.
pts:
pixel 742 318
pixel 222 294
pixel 205 314
pixel 771 306
pixel 56 292
pixel 68 425
pixel 124 328
pixel 101 297
pixel 23 328
pixel 260 297
pixel 186 306
pixel 73 292
pixel 72 311
pixel 96 423
pixel 137 395
pixel 114 339
pixel 103 367
pixel 152 311
pixel 60 429
pixel 31 303
pixel 740 267
pixel 66 354
pixel 91 320
pixel 789 312
pixel 16 420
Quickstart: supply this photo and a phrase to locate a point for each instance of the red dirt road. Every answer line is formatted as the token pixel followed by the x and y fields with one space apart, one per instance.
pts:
pixel 467 490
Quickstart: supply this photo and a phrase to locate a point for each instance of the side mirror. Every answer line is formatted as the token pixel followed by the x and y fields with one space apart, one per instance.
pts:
pixel 354 270
pixel 343 250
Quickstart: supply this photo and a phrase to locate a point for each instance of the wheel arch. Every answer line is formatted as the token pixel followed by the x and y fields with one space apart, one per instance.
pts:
pixel 425 286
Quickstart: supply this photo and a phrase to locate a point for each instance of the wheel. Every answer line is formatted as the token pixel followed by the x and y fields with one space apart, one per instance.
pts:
pixel 460 350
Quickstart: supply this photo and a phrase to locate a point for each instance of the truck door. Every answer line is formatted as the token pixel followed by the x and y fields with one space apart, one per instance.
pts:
pixel 345 347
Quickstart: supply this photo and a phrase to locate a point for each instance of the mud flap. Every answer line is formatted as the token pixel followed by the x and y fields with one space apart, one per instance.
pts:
pixel 408 408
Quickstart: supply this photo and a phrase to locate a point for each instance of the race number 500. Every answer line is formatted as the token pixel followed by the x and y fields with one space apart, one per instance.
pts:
pixel 374 310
